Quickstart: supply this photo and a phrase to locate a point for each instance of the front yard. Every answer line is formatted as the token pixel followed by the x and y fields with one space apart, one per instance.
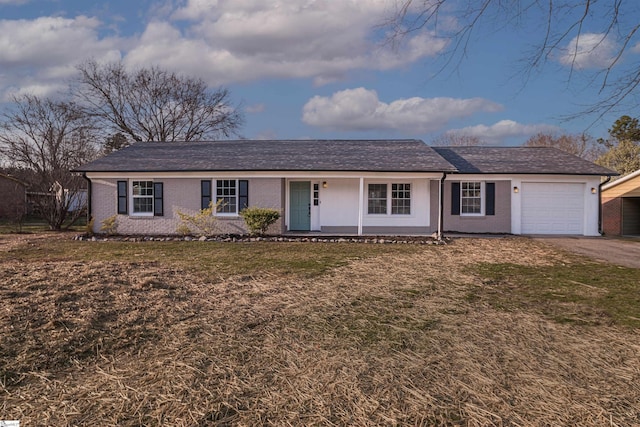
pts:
pixel 478 332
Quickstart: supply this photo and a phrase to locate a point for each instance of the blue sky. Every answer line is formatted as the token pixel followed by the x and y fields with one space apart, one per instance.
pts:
pixel 314 68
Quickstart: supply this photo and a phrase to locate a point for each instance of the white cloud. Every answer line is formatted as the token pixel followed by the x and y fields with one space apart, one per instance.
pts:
pixel 221 41
pixel 589 50
pixel 39 54
pixel 504 129
pixel 360 109
pixel 241 40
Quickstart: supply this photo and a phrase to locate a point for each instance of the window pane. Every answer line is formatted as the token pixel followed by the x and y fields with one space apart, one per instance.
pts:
pixel 401 199
pixel 142 192
pixel 377 203
pixel 471 198
pixel 377 206
pixel 142 204
pixel 226 192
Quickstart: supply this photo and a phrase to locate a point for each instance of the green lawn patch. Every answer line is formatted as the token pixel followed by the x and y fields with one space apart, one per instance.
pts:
pixel 589 293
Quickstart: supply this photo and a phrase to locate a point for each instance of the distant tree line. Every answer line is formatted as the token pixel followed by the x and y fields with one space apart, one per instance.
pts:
pixel 620 152
pixel 42 139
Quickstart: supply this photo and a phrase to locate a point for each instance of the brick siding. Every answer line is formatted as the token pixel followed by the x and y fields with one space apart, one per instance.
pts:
pixel 612 216
pixel 180 194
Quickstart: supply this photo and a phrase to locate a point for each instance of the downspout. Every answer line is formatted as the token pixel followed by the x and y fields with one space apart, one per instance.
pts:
pixel 84 175
pixel 441 206
pixel 600 228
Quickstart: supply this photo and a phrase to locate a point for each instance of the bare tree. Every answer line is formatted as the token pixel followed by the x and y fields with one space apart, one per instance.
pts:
pixel 50 138
pixel 152 104
pixel 582 145
pixel 454 139
pixel 567 28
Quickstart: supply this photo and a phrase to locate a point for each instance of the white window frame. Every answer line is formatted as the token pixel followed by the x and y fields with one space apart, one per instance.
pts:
pixel 482 198
pixel 386 199
pixel 133 197
pixel 217 198
pixel 389 199
pixel 404 190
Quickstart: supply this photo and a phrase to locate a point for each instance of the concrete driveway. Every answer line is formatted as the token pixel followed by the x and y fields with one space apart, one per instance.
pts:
pixel 623 251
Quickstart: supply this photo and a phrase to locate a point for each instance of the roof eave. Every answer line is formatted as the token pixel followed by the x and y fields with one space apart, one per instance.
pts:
pixel 621 180
pixel 441 170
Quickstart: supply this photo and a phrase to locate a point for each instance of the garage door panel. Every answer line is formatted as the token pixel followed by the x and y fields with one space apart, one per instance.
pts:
pixel 552 208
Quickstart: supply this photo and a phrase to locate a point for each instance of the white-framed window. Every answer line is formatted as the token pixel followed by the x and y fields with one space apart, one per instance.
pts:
pixel 401 199
pixel 227 196
pixel 232 194
pixel 379 202
pixel 471 198
pixel 142 197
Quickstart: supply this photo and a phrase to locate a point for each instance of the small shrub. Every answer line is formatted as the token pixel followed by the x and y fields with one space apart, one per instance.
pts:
pixel 183 230
pixel 258 220
pixel 203 223
pixel 109 225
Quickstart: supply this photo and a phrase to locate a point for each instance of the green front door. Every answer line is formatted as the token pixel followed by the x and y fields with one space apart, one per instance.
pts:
pixel 300 206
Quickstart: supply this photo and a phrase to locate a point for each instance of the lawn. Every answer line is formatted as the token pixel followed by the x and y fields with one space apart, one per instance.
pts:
pixel 477 332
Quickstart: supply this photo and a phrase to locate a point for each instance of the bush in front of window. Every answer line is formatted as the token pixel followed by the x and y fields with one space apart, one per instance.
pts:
pixel 202 223
pixel 258 220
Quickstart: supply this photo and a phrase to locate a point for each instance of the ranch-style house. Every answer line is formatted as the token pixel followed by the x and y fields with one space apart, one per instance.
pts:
pixel 357 187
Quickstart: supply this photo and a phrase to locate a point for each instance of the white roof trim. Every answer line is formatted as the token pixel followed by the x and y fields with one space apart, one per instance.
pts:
pixel 621 180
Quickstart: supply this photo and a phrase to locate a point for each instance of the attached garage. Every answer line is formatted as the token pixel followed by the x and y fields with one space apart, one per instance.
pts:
pixel 552 208
pixel 524 190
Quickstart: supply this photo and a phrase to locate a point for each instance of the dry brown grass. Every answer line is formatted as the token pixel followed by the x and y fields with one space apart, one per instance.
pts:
pixel 385 340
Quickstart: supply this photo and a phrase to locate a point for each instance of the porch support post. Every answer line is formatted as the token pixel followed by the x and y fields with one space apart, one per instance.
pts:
pixel 441 204
pixel 360 206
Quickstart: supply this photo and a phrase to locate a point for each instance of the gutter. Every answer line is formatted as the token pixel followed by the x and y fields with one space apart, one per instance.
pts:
pixel 441 206
pixel 600 228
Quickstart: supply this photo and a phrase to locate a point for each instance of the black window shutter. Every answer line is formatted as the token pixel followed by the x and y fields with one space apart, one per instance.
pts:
pixel 157 199
pixel 205 193
pixel 122 197
pixel 243 194
pixel 455 198
pixel 490 199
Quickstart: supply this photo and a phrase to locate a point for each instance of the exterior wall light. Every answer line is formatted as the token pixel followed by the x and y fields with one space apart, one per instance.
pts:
pixel 516 189
pixel 324 184
pixel 593 190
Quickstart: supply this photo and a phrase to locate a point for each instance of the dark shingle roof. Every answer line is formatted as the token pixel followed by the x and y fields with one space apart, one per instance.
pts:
pixel 340 156
pixel 274 155
pixel 519 160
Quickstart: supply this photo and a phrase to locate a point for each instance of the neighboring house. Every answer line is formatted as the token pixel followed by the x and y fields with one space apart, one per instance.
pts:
pixel 13 198
pixel 74 200
pixel 621 206
pixel 348 186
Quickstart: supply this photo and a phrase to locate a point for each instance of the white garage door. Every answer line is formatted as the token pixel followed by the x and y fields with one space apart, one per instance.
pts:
pixel 552 208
